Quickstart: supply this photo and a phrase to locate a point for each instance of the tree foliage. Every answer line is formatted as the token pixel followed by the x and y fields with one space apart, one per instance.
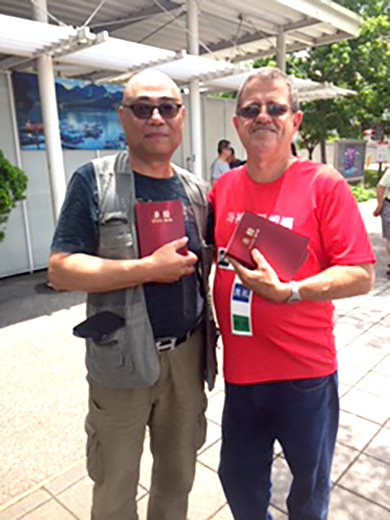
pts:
pixel 361 64
pixel 13 184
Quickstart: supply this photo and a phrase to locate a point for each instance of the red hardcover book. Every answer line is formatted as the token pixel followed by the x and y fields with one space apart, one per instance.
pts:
pixel 157 224
pixel 284 250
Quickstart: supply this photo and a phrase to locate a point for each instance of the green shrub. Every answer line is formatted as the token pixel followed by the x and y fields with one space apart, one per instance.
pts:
pixel 361 193
pixel 13 184
pixel 370 178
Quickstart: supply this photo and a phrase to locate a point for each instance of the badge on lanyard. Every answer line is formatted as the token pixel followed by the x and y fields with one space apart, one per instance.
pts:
pixel 240 309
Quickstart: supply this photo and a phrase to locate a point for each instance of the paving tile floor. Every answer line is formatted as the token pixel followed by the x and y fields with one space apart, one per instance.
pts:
pixel 46 477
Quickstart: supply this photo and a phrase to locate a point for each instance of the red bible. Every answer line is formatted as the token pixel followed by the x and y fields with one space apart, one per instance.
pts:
pixel 157 224
pixel 284 250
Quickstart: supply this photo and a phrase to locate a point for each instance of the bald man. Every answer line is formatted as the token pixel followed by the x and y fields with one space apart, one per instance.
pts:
pixel 147 366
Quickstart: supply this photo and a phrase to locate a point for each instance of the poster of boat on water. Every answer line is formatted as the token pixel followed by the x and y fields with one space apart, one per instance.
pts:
pixel 87 114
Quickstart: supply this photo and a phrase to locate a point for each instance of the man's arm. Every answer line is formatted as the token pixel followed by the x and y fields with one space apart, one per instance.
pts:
pixel 338 281
pixel 333 283
pixel 213 175
pixel 87 273
pixel 380 193
pixel 215 171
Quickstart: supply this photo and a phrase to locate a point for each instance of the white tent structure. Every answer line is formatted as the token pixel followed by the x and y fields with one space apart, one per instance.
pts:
pixel 227 29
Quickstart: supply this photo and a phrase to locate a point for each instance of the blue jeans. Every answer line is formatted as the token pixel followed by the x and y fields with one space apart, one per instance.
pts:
pixel 303 416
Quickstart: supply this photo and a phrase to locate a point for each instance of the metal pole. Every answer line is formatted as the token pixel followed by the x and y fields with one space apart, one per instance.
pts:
pixel 50 120
pixel 194 93
pixel 281 51
pixel 193 28
pixel 19 164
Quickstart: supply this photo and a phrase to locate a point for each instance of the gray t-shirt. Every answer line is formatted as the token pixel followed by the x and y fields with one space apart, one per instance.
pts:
pixel 218 167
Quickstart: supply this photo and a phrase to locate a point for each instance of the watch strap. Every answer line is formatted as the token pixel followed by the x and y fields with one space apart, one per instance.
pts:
pixel 294 295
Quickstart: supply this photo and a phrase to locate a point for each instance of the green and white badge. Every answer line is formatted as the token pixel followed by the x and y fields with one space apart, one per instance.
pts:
pixel 240 309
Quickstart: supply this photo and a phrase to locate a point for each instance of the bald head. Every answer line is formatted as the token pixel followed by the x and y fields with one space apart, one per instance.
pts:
pixel 154 130
pixel 151 78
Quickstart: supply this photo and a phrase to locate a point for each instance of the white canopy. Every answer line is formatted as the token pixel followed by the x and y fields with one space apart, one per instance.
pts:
pixel 74 50
pixel 83 50
pixel 230 29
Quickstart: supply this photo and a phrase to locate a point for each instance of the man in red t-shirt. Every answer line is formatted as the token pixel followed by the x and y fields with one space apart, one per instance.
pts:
pixel 279 353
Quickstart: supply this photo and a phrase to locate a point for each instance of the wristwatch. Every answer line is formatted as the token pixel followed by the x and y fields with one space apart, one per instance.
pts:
pixel 294 296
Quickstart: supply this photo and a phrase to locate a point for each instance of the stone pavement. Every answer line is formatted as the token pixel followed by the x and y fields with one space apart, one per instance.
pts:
pixel 43 398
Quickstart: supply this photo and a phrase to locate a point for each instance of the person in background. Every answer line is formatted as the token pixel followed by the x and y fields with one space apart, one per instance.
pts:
pixel 234 162
pixel 279 354
pixel 221 163
pixel 383 209
pixel 150 372
pixel 294 151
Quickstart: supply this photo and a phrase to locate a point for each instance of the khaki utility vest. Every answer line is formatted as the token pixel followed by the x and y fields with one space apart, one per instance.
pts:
pixel 128 358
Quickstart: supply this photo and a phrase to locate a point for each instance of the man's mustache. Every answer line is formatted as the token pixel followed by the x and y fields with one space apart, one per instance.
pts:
pixel 260 126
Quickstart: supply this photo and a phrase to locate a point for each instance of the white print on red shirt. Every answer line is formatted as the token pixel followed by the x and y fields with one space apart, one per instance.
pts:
pixel 288 222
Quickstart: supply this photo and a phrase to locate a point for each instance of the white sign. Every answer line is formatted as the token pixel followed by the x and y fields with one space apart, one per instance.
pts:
pixel 382 153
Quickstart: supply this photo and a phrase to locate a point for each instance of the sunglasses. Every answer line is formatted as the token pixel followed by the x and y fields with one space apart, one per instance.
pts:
pixel 252 111
pixel 144 110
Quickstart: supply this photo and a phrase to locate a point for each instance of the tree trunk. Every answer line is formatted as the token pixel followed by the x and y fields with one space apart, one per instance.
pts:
pixel 323 150
pixel 379 171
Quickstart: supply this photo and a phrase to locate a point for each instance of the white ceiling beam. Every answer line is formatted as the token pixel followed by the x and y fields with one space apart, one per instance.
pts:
pixel 303 39
pixel 82 40
pixel 136 16
pixel 331 38
pixel 269 12
pixel 221 10
pixel 328 12
pixel 231 71
pixel 226 45
pixel 252 55
pixel 302 24
pixel 236 21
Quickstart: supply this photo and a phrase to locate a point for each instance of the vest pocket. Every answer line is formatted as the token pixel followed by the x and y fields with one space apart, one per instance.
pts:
pixel 109 353
pixel 116 240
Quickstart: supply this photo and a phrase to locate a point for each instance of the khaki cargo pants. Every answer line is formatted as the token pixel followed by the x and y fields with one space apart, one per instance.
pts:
pixel 174 409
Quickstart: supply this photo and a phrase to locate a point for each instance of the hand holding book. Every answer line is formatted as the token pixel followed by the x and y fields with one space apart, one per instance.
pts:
pixel 284 249
pixel 263 280
pixel 168 264
pixel 162 241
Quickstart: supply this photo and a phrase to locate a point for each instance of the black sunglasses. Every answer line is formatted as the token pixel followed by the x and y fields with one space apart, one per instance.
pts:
pixel 144 110
pixel 252 111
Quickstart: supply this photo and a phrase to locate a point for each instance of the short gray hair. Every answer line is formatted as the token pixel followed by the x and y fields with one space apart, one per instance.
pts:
pixel 271 74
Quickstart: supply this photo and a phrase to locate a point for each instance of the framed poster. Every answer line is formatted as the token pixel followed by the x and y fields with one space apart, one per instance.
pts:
pixel 349 158
pixel 87 114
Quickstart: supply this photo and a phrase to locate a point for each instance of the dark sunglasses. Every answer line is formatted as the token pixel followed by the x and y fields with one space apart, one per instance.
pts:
pixel 144 110
pixel 252 111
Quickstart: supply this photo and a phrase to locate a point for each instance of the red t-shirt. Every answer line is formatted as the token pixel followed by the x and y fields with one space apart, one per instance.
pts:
pixel 289 341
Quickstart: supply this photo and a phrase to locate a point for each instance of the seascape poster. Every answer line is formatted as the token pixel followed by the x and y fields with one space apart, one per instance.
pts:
pixel 349 158
pixel 87 114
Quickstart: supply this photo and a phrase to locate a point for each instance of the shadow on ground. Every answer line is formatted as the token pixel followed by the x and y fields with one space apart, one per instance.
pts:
pixel 25 297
